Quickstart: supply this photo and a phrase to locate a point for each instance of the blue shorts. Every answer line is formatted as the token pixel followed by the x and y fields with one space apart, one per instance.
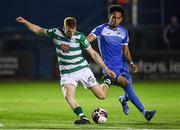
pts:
pixel 121 72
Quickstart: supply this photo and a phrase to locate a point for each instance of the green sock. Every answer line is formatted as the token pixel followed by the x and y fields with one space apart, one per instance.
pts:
pixel 78 111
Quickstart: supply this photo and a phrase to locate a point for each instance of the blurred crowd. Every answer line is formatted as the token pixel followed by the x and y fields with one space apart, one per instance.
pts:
pixel 171 34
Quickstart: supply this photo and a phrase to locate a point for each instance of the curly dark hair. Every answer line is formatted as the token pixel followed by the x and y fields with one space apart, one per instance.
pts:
pixel 116 8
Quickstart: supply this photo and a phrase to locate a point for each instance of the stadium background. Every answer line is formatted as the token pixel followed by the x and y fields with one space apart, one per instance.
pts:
pixel 24 55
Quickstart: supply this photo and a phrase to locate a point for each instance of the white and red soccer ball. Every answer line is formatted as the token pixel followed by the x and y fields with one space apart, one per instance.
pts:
pixel 99 115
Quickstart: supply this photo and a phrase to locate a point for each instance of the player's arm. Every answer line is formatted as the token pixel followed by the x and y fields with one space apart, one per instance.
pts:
pixel 95 56
pixel 34 28
pixel 128 57
pixel 90 38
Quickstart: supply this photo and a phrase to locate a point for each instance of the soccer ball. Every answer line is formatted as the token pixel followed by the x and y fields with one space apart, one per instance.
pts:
pixel 99 115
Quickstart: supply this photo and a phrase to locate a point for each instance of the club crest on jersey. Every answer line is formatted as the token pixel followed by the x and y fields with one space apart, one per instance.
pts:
pixel 119 33
pixel 65 48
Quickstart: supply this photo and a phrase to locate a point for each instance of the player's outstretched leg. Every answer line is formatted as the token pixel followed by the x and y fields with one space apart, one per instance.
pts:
pixel 135 100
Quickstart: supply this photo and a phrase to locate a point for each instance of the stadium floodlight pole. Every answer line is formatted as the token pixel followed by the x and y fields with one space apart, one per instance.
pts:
pixel 134 13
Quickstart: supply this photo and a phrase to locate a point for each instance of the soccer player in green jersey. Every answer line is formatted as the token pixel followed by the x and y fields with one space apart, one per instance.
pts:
pixel 73 67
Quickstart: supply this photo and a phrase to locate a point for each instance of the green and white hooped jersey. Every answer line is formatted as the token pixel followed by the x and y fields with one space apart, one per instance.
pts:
pixel 69 51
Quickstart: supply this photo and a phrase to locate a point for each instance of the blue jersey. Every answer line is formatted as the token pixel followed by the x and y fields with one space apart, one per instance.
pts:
pixel 111 44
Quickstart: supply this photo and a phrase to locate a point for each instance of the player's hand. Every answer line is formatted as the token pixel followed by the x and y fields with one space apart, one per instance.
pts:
pixel 110 73
pixel 21 20
pixel 134 68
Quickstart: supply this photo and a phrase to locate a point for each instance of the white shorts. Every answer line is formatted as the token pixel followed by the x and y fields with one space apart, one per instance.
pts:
pixel 85 76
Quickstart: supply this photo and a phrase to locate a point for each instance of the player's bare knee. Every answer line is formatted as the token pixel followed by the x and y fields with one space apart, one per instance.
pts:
pixel 67 94
pixel 124 84
pixel 101 96
pixel 122 81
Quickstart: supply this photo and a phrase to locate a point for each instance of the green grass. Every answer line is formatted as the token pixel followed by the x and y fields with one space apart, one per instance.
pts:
pixel 41 105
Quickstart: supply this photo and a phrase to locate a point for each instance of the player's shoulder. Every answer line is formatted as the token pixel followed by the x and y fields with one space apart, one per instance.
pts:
pixel 99 28
pixel 55 30
pixel 102 25
pixel 123 29
pixel 79 35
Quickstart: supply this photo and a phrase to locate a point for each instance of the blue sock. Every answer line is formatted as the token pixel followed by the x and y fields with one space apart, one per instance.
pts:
pixel 125 97
pixel 133 98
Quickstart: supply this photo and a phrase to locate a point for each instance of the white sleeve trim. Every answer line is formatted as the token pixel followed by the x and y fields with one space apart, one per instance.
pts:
pixel 87 47
pixel 125 43
pixel 94 35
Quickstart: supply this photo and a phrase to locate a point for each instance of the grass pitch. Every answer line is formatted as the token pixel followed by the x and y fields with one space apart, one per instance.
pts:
pixel 41 105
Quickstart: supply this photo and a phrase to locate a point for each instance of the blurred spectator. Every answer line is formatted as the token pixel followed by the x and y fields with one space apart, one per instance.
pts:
pixel 171 34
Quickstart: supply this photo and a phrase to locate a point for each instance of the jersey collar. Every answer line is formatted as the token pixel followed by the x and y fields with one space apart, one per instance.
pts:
pixel 114 29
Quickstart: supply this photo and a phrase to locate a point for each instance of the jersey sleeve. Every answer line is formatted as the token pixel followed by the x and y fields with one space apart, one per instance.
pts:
pixel 51 32
pixel 84 42
pixel 126 38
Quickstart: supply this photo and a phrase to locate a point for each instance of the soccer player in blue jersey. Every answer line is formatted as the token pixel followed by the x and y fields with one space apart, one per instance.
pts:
pixel 113 45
